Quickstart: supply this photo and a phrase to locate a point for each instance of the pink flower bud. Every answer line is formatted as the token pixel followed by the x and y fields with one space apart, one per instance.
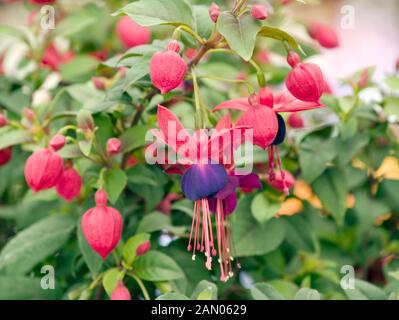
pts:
pixel 57 142
pixel 293 59
pixel 5 156
pixel 99 83
pixel 28 114
pixel 43 169
pixel 102 226
pixel 363 79
pixel 143 248
pixel 167 70
pixel 41 2
pixel 174 46
pixel 120 292
pixel 131 34
pixel 3 120
pixel 266 97
pixel 259 12
pixel 324 35
pixel 305 82
pixel 295 120
pixel 114 146
pixel 397 64
pixel 214 12
pixel 69 184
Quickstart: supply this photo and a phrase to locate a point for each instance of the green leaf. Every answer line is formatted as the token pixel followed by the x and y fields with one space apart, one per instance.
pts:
pixel 278 34
pixel 203 23
pixel 331 189
pixel 365 291
pixel 263 209
pixel 307 294
pixel 85 144
pixel 134 137
pixel 155 12
pixel 78 69
pixel 139 70
pixel 205 290
pixel 172 296
pixel 14 137
pixel 313 166
pixel 239 32
pixel 251 237
pixel 115 181
pixel 24 288
pixel 92 259
pixel 75 23
pixel 130 247
pixel 110 280
pixel 264 291
pixel 158 221
pixel 156 266
pixel 32 245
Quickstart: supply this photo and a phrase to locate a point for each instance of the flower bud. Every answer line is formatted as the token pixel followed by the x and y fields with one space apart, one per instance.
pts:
pixel 295 120
pixel 259 12
pixel 214 12
pixel 120 292
pixel 305 82
pixel 131 34
pixel 29 114
pixel 167 70
pixel 57 142
pixel 324 35
pixel 363 79
pixel 41 2
pixel 102 226
pixel 293 59
pixel 43 169
pixel 98 83
pixel 283 180
pixel 174 45
pixel 114 146
pixel 5 156
pixel 143 248
pixel 3 120
pixel 69 184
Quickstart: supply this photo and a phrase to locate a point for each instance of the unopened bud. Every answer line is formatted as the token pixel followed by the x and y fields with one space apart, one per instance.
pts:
pixel 259 12
pixel 214 12
pixel 85 120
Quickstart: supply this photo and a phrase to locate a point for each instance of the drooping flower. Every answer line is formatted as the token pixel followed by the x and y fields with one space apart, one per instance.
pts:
pixel 69 183
pixel 203 163
pixel 114 146
pixel 120 292
pixel 5 156
pixel 132 34
pixel 167 68
pixel 214 12
pixel 269 127
pixel 324 35
pixel 102 226
pixel 305 81
pixel 44 167
pixel 259 12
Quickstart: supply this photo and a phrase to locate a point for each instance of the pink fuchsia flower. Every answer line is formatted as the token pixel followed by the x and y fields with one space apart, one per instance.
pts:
pixel 305 81
pixel 5 156
pixel 203 174
pixel 69 183
pixel 143 248
pixel 53 59
pixel 132 34
pixel 167 69
pixel 214 12
pixel 324 35
pixel 259 12
pixel 283 180
pixel 102 226
pixel 44 167
pixel 120 292
pixel 295 120
pixel 114 146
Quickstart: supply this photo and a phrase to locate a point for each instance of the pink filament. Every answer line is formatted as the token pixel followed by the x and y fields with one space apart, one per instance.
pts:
pixel 274 157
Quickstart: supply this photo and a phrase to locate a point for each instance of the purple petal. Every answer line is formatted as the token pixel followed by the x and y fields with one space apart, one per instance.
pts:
pixel 230 187
pixel 250 181
pixel 230 204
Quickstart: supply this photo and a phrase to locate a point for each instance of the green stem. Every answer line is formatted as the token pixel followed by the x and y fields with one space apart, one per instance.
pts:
pixel 141 285
pixel 191 32
pixel 199 122
pixel 250 87
pixel 260 75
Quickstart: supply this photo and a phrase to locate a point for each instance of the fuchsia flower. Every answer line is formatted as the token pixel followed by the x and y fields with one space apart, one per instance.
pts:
pixel 259 12
pixel 131 34
pixel 120 292
pixel 214 12
pixel 204 165
pixel 44 167
pixel 167 68
pixel 324 35
pixel 102 226
pixel 283 179
pixel 69 183
pixel 269 127
pixel 305 81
